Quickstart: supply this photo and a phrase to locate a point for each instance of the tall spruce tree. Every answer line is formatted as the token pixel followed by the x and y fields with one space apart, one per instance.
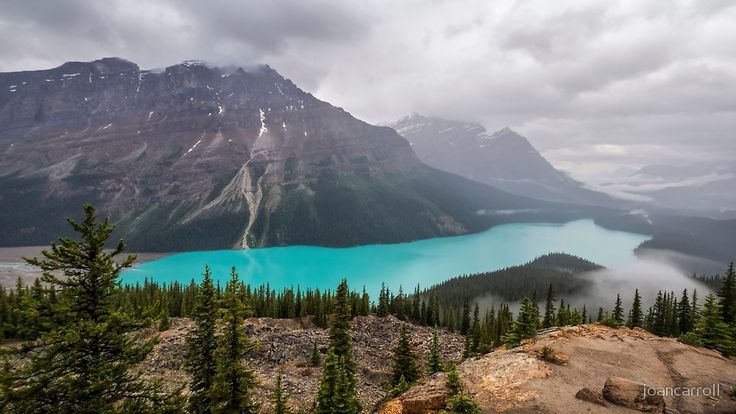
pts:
pixel 84 360
pixel 618 311
pixel 383 302
pixel 712 331
pixel 685 315
pixel 563 316
pixel 315 358
pixel 465 321
pixel 434 360
pixel 523 327
pixel 324 403
pixel 727 296
pixel 536 315
pixel 404 360
pixel 280 398
pixel 416 314
pixel 475 331
pixel 636 316
pixel 337 385
pixel 549 308
pixel 201 344
pixel 233 383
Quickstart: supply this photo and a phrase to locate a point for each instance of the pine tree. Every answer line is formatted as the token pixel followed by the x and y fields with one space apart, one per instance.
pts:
pixel 475 331
pixel 315 357
pixel 636 316
pixel 465 321
pixel 337 385
pixel 339 333
pixel 416 314
pixel 164 322
pixel 618 311
pixel 234 382
pixel 200 361
pixel 84 361
pixel 549 308
pixel 344 400
pixel 696 308
pixel 327 385
pixel 584 317
pixel 523 327
pixel 712 331
pixel 434 309
pixel 534 302
pixel 280 398
pixel 563 316
pixel 404 360
pixel 383 302
pixel 727 296
pixel 434 360
pixel 453 381
pixel 685 314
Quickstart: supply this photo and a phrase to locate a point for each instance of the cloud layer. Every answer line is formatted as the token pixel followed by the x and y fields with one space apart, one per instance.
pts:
pixel 594 85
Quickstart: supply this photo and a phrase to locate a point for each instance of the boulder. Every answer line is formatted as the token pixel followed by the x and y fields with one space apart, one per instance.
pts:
pixel 595 397
pixel 632 394
pixel 426 398
pixel 429 398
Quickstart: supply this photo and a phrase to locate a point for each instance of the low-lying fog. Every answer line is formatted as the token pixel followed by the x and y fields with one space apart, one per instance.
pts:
pixel 651 272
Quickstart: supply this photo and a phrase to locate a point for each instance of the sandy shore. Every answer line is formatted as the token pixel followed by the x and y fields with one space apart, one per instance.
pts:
pixel 12 265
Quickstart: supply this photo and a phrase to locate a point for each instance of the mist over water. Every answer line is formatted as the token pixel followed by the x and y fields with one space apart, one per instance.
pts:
pixel 649 274
pixel 654 271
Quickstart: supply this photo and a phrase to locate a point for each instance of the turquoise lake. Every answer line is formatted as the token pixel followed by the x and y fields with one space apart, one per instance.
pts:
pixel 424 262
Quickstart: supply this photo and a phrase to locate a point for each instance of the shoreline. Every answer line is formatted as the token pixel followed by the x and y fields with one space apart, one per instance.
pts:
pixel 12 265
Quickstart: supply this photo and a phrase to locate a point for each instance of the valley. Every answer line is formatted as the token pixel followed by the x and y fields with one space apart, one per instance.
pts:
pixel 346 207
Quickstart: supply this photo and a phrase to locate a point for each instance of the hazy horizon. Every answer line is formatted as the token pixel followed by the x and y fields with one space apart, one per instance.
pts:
pixel 595 87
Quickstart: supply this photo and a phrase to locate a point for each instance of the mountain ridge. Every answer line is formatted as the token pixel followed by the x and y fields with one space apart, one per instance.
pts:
pixel 199 157
pixel 503 159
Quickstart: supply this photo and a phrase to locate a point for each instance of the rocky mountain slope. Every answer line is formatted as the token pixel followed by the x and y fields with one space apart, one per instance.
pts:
pixel 608 364
pixel 200 157
pixel 592 369
pixel 503 159
pixel 285 346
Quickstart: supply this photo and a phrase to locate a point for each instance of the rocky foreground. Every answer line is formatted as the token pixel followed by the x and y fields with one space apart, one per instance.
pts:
pixel 286 345
pixel 587 369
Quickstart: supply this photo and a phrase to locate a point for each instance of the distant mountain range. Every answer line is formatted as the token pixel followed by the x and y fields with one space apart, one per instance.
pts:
pixel 700 188
pixel 503 159
pixel 200 157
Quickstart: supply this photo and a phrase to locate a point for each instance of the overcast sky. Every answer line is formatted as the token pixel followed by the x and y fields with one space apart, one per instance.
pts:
pixel 594 85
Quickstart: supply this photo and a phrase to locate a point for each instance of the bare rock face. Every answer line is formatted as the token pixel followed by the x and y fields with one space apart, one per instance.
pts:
pixel 632 394
pixel 195 157
pixel 430 398
pixel 520 380
pixel 595 397
pixel 427 397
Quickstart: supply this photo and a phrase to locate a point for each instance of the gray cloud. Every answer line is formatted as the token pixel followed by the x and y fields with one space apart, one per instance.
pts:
pixel 594 85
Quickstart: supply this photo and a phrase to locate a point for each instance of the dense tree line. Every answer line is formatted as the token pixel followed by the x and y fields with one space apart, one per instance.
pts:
pixel 513 283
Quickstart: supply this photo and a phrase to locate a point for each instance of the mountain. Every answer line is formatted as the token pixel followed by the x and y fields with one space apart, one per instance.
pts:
pixel 504 159
pixel 704 188
pixel 200 157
